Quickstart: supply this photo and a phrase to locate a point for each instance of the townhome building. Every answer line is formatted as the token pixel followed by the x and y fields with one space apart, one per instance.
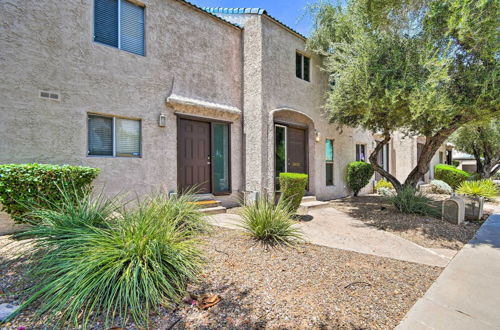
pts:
pixel 165 95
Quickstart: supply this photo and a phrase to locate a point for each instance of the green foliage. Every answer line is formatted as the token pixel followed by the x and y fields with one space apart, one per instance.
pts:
pixel 410 201
pixel 92 259
pixel 358 176
pixel 293 186
pixel 451 175
pixel 383 183
pixel 481 188
pixel 440 187
pixel 270 223
pixel 455 162
pixel 22 185
pixel 416 67
pixel 482 140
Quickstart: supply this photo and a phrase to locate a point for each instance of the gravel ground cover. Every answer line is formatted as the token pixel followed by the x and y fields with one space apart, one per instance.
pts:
pixel 426 231
pixel 305 287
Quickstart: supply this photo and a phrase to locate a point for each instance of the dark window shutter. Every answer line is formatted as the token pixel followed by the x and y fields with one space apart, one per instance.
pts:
pixel 106 22
pixel 306 68
pixel 100 136
pixel 132 28
pixel 298 65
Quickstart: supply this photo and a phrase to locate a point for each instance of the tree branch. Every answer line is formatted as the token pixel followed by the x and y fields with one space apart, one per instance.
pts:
pixel 376 166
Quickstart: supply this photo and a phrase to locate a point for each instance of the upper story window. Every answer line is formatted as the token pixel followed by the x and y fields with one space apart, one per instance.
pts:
pixel 302 66
pixel 113 137
pixel 360 152
pixel 119 23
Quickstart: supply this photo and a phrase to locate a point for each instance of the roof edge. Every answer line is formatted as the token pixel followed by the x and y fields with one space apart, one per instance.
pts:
pixel 200 9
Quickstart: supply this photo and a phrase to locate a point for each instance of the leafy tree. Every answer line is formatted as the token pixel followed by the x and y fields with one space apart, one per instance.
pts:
pixel 483 141
pixel 420 67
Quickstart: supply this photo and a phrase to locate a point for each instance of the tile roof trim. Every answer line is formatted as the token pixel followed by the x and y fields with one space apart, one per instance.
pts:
pixel 256 11
pixel 195 7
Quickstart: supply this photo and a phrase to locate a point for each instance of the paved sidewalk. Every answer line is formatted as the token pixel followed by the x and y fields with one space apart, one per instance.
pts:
pixel 467 293
pixel 333 228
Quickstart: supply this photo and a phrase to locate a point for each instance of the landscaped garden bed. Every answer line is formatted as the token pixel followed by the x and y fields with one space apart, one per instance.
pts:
pixel 427 231
pixel 307 286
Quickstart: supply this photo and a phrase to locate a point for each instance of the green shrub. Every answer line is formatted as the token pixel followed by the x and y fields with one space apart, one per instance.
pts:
pixel 383 183
pixel 270 223
pixel 474 177
pixel 410 201
pixel 481 188
pixel 455 162
pixel 93 263
pixel 440 187
pixel 358 176
pixel 293 186
pixel 22 185
pixel 451 175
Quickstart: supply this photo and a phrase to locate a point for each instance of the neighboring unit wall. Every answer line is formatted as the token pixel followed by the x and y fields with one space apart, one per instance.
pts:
pixel 47 45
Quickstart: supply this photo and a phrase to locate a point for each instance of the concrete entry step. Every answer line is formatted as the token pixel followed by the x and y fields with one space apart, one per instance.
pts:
pixel 311 205
pixel 213 210
pixel 306 199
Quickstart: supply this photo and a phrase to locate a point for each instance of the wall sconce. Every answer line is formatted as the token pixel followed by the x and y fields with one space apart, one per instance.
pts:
pixel 318 135
pixel 162 120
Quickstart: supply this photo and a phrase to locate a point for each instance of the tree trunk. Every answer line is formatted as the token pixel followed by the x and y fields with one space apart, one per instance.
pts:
pixel 374 162
pixel 488 167
pixel 432 144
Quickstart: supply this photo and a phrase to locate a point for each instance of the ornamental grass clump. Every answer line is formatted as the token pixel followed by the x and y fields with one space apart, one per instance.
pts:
pixel 482 188
pixel 95 260
pixel 410 201
pixel 270 223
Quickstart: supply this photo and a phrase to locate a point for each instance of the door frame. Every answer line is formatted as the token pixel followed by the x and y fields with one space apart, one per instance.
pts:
pixel 306 143
pixel 211 121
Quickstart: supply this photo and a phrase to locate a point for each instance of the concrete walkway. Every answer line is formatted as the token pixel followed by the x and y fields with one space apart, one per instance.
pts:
pixel 467 293
pixel 333 228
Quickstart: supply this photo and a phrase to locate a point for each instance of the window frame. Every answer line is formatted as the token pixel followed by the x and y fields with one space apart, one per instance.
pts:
pixel 330 162
pixel 302 61
pixel 136 3
pixel 114 153
pixel 356 152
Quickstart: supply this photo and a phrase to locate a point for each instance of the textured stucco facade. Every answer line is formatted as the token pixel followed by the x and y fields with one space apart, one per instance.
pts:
pixel 195 64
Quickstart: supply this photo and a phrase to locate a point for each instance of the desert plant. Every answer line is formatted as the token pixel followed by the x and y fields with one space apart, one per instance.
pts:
pixel 358 176
pixel 293 186
pixel 411 201
pixel 383 191
pixel 92 264
pixel 383 183
pixel 481 188
pixel 22 185
pixel 440 187
pixel 270 223
pixel 451 175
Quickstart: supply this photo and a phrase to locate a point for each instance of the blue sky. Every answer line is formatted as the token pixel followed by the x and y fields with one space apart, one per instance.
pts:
pixel 289 12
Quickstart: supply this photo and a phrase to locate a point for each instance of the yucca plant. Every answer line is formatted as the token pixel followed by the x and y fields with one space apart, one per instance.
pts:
pixel 94 264
pixel 270 223
pixel 480 188
pixel 410 201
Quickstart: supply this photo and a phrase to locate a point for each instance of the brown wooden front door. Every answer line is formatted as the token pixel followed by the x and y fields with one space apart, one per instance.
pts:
pixel 194 155
pixel 296 150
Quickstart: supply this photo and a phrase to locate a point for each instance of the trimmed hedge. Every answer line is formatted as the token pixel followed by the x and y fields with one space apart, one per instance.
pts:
pixel 358 176
pixel 451 175
pixel 293 186
pixel 23 185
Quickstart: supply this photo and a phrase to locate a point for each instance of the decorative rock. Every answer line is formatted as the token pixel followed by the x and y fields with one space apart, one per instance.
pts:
pixel 453 210
pixel 6 310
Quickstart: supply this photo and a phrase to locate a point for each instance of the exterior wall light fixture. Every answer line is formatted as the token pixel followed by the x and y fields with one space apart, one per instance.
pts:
pixel 162 120
pixel 318 135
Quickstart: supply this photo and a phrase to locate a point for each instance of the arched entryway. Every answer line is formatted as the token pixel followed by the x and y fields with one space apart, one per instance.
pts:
pixel 291 144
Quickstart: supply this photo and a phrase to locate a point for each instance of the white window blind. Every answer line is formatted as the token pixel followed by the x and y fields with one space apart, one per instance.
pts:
pixel 114 137
pixel 128 137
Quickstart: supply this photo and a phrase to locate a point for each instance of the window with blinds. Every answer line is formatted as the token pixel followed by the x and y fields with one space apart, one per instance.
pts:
pixel 119 23
pixel 114 137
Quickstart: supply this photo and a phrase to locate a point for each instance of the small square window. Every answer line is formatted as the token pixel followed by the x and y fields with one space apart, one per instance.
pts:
pixel 113 137
pixel 302 66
